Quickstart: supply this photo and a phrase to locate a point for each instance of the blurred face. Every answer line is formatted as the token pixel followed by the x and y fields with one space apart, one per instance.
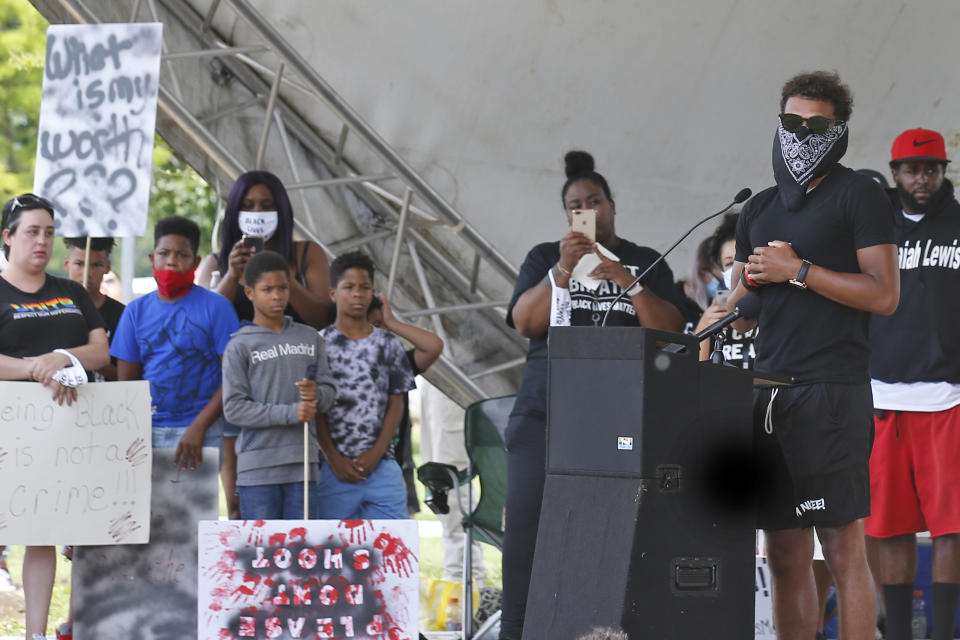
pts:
pixel 31 243
pixel 728 251
pixel 270 294
pixel 375 317
pixel 173 253
pixel 99 266
pixel 258 198
pixel 921 179
pixel 353 293
pixel 586 194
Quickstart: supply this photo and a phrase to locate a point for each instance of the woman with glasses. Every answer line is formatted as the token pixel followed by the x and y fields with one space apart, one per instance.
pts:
pixel 573 281
pixel 50 331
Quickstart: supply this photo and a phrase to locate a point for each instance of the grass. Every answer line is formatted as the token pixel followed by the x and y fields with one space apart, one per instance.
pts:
pixel 431 563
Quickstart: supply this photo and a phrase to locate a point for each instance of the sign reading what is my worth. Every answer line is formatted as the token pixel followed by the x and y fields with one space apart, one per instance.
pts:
pixel 308 579
pixel 97 121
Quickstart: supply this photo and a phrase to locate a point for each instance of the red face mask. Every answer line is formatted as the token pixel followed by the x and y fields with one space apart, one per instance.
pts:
pixel 173 284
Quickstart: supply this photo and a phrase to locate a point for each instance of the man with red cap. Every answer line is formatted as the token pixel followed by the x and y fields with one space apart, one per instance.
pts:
pixel 915 372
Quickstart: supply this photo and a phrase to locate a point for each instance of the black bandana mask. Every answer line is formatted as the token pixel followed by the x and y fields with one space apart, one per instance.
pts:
pixel 797 161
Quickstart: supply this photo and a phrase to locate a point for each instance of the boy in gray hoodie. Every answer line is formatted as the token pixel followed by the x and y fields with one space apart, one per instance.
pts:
pixel 275 378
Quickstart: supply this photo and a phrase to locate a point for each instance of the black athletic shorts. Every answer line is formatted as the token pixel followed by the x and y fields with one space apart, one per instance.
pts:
pixel 813 445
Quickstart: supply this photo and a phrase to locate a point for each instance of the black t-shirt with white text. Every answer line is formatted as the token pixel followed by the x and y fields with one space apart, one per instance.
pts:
pixel 59 315
pixel 805 334
pixel 920 342
pixel 585 306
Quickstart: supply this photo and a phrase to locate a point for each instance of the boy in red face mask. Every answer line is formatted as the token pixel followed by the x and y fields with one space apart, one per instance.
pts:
pixel 174 338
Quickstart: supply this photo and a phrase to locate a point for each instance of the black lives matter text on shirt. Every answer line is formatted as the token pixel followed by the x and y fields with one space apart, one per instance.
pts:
pixel 920 342
pixel 532 398
pixel 60 315
pixel 805 334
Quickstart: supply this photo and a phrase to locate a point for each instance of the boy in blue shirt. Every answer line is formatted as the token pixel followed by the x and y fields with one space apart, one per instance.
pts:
pixel 174 338
pixel 360 478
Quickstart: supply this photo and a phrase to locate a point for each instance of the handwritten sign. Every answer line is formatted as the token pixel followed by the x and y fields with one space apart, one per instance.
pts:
pixel 308 579
pixel 75 474
pixel 97 121
pixel 763 613
pixel 150 591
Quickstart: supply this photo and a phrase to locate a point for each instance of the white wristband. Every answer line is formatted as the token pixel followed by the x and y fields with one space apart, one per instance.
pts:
pixel 73 375
pixel 635 289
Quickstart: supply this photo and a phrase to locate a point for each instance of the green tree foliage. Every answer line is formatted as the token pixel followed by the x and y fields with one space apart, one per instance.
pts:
pixel 176 188
pixel 22 45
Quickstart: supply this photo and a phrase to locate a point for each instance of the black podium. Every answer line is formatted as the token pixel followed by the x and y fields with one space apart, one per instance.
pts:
pixel 645 522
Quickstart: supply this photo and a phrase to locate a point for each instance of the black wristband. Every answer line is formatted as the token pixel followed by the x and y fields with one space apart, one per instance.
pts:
pixel 746 283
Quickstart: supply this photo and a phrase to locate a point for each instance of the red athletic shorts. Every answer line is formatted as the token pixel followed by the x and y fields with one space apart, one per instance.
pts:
pixel 915 473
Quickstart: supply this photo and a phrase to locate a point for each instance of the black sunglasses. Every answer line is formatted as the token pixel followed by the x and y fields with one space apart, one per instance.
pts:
pixel 21 203
pixel 30 201
pixel 817 124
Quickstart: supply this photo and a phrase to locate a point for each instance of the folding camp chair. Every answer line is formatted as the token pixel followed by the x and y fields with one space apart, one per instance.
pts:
pixel 484 425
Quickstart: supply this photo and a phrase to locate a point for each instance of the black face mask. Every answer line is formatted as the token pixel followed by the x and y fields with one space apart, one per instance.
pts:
pixel 943 194
pixel 802 156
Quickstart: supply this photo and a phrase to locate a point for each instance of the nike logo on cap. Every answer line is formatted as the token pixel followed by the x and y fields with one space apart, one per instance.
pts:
pixel 920 143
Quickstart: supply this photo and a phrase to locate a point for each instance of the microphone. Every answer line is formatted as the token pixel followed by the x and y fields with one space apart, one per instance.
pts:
pixel 748 307
pixel 741 196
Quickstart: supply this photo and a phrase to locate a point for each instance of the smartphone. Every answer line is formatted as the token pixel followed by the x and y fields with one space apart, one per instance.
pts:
pixel 253 241
pixel 723 296
pixel 585 221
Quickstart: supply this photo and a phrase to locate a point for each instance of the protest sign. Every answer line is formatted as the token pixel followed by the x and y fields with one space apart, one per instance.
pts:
pixel 97 121
pixel 763 611
pixel 150 591
pixel 308 579
pixel 76 474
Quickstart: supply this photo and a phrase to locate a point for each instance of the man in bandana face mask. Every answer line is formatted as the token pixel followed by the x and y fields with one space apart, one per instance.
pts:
pixel 915 366
pixel 818 248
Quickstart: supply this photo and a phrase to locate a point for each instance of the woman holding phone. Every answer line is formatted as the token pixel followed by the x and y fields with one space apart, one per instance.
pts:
pixel 49 330
pixel 581 277
pixel 258 216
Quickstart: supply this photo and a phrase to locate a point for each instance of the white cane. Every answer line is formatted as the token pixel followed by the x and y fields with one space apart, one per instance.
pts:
pixel 306 469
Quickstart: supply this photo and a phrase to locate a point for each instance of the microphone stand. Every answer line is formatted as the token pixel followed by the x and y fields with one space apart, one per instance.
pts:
pixel 717 356
pixel 740 197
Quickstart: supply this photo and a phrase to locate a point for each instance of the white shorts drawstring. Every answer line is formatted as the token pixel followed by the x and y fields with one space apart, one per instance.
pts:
pixel 768 419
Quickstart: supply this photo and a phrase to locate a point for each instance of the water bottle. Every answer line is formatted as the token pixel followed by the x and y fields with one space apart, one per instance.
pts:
pixel 918 623
pixel 454 615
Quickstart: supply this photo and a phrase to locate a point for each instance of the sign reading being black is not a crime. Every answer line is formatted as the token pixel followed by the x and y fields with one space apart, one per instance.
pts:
pixel 97 121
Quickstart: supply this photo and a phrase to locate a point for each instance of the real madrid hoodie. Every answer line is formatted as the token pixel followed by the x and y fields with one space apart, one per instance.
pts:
pixel 260 370
pixel 920 341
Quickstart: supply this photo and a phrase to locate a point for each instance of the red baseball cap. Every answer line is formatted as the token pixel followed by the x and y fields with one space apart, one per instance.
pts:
pixel 918 144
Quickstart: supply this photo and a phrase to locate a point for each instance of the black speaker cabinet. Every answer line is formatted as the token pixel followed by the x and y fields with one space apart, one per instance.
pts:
pixel 646 522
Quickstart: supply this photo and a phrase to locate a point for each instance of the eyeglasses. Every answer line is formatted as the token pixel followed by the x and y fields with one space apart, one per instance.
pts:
pixel 817 124
pixel 23 203
pixel 30 201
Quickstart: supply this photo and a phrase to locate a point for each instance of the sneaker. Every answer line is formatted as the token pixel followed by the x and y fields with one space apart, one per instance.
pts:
pixel 491 600
pixel 38 636
pixel 6 583
pixel 65 631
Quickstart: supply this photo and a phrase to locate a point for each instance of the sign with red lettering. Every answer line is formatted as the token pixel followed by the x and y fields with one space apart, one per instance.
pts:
pixel 308 579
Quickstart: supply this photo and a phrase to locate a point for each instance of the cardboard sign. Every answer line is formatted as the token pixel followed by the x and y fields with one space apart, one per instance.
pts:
pixel 309 579
pixel 97 121
pixel 150 591
pixel 763 613
pixel 76 474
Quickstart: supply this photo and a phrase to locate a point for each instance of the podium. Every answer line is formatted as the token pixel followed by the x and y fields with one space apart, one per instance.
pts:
pixel 647 520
